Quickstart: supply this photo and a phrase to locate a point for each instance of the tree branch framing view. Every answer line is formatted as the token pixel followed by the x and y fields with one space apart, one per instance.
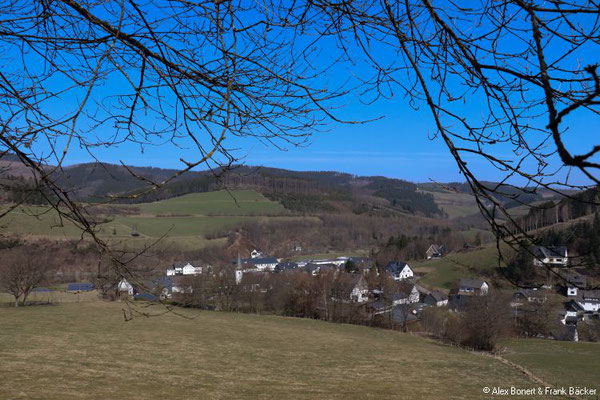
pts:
pixel 130 130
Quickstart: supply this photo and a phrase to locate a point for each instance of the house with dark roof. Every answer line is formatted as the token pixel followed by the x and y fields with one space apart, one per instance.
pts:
pixel 406 314
pixel 574 281
pixel 260 263
pixel 311 268
pixel 377 307
pixel 471 286
pixel 572 311
pixel 459 302
pixel 285 266
pixel 552 256
pixel 361 262
pixel 530 295
pixel 589 300
pixel 565 333
pixel 435 251
pixel 399 270
pixel 161 287
pixel 436 298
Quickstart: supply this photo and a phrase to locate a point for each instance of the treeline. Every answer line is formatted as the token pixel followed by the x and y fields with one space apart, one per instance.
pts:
pixel 407 247
pixel 582 239
pixel 484 321
pixel 507 195
pixel 306 192
pixel 340 232
pixel 554 212
pixel 487 319
pixel 327 296
pixel 404 195
pixel 21 190
pixel 198 184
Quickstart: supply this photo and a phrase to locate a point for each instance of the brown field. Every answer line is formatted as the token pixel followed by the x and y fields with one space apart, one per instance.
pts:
pixel 85 350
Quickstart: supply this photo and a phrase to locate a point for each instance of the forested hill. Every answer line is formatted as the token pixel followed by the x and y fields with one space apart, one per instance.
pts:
pixel 311 191
pixel 303 192
pixel 298 191
pixel 508 195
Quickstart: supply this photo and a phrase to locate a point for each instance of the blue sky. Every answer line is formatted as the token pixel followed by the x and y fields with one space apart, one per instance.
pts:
pixel 398 145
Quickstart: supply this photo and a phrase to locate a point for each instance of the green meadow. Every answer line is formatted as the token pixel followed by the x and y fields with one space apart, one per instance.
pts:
pixel 558 363
pixel 235 202
pixel 185 220
pixel 444 273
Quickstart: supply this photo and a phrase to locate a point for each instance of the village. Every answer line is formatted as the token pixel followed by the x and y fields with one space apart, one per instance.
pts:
pixel 392 298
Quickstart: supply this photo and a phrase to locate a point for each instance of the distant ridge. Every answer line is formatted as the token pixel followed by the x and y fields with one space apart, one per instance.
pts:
pixel 299 191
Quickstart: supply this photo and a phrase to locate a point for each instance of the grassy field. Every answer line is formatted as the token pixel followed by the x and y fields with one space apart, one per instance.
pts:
pixel 444 273
pixel 455 204
pixel 187 220
pixel 87 351
pixel 236 202
pixel 558 363
pixel 52 297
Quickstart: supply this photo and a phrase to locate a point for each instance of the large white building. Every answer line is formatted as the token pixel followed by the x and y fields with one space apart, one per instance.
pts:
pixel 186 268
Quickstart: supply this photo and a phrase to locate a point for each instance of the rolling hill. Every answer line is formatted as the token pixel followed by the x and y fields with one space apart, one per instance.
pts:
pixel 187 220
pixel 235 356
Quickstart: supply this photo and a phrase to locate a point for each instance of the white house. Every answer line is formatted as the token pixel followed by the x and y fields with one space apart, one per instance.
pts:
pixel 436 298
pixel 552 256
pixel 125 287
pixel 589 300
pixel 189 269
pixel 472 286
pixel 574 281
pixel 184 269
pixel 399 270
pixel 406 296
pixel 256 254
pixel 360 291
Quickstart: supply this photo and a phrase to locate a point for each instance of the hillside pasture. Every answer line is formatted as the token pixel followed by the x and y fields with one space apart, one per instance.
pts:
pixel 37 221
pixel 186 220
pixel 560 364
pixel 194 225
pixel 444 273
pixel 54 296
pixel 235 202
pixel 88 351
pixel 454 204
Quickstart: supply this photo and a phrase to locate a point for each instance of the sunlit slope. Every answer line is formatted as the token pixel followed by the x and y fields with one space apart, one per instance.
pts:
pixel 226 356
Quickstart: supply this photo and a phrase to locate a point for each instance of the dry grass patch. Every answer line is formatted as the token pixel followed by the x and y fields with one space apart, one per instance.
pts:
pixel 87 350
